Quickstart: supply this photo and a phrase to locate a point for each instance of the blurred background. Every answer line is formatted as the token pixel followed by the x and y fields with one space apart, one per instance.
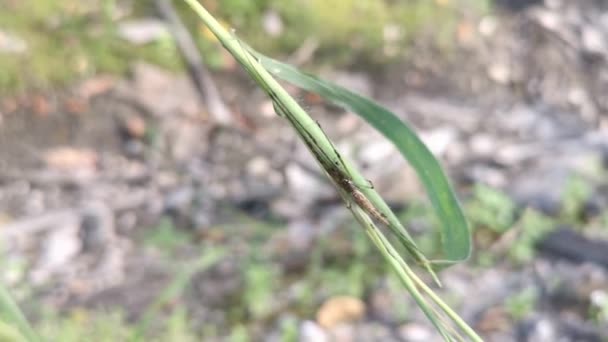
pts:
pixel 149 192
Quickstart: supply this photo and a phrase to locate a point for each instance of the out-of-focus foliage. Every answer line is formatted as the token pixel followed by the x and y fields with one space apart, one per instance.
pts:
pixel 70 39
pixel 67 40
pixel 520 305
pixel 491 209
pixel 111 326
pixel 574 196
pixel 349 31
pixel 166 237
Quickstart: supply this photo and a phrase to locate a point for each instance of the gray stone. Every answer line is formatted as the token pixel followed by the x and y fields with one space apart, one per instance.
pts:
pixel 143 31
pixel 11 44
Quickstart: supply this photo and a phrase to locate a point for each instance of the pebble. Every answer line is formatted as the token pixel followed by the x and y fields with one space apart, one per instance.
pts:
pixel 376 151
pixel 59 248
pixel 272 23
pixel 488 25
pixel 70 159
pixel 259 166
pixel 593 40
pixel 414 332
pixel 143 31
pixel 304 185
pixel 310 331
pixel 11 44
pixel 499 73
pixel 340 309
pixel 439 139
pixel 483 144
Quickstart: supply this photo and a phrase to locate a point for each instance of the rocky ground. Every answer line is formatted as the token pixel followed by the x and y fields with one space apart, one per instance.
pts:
pixel 92 176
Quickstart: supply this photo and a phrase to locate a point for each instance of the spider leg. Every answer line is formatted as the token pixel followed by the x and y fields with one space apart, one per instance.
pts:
pixel 369 184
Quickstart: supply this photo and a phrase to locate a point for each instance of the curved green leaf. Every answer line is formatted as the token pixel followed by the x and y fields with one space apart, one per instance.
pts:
pixel 455 233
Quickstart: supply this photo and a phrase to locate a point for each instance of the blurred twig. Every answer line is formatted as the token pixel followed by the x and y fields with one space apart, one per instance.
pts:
pixel 194 62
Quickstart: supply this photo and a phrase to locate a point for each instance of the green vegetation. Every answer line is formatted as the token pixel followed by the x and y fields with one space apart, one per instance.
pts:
pixel 491 209
pixel 261 287
pixel 521 304
pixel 166 237
pixel 574 196
pixel 110 327
pixel 68 40
pixel 71 39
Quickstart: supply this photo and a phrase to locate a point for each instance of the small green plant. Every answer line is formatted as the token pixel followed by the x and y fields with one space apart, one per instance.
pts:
pixel 491 209
pixel 574 196
pixel 532 227
pixel 239 333
pixel 178 328
pixel 289 329
pixel 521 304
pixel 166 237
pixel 260 279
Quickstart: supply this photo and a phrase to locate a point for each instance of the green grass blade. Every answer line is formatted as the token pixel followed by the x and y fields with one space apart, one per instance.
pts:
pixel 11 316
pixel 455 233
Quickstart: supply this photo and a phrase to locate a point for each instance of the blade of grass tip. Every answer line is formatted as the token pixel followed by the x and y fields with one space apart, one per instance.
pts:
pixel 438 319
pixel 448 311
pixel 441 304
pixel 385 249
pixel 389 252
pixel 397 263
